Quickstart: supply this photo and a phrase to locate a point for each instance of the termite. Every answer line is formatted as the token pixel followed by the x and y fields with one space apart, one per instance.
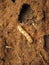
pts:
pixel 28 37
pixel 8 47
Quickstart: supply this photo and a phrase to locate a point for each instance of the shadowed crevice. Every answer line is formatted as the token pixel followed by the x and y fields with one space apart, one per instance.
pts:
pixel 25 8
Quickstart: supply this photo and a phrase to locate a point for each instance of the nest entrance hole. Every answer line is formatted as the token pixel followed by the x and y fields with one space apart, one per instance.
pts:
pixel 24 10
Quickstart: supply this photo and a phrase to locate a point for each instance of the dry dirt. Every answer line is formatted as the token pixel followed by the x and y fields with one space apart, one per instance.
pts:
pixel 33 17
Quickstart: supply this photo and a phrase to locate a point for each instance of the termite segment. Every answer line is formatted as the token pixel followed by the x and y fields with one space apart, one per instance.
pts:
pixel 28 37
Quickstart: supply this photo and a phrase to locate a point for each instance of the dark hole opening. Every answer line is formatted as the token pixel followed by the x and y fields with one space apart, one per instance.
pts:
pixel 46 42
pixel 13 1
pixel 25 8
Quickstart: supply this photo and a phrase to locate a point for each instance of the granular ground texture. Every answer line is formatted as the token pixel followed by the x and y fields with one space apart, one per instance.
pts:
pixel 24 32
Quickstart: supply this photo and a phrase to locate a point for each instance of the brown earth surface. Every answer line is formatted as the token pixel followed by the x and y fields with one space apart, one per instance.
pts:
pixel 33 17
